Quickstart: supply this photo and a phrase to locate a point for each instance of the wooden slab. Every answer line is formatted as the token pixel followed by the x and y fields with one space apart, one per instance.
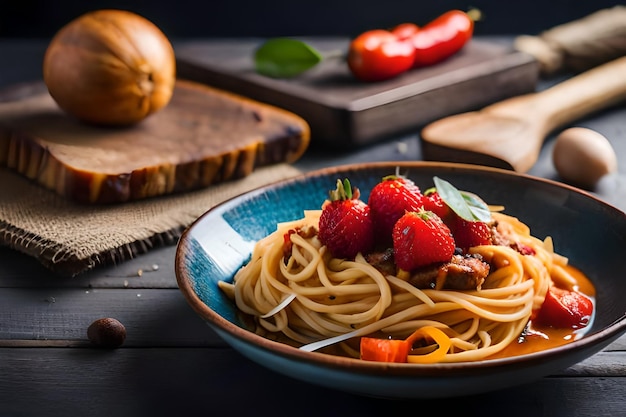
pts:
pixel 203 136
pixel 344 111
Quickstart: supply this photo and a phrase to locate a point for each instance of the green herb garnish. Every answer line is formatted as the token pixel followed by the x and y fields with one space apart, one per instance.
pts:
pixel 285 58
pixel 467 205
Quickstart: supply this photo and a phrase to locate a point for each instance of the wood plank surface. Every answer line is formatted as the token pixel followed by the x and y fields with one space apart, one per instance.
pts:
pixel 152 317
pixel 153 271
pixel 148 382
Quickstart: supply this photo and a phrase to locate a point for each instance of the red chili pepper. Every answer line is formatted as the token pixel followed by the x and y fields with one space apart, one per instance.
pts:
pixel 378 55
pixel 405 30
pixel 442 38
pixel 564 309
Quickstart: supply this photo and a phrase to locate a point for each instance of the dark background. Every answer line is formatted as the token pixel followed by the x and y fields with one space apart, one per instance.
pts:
pixel 232 18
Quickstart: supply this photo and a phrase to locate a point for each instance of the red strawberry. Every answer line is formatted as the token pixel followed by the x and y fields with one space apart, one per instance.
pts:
pixel 432 201
pixel 471 233
pixel 421 238
pixel 388 201
pixel 345 225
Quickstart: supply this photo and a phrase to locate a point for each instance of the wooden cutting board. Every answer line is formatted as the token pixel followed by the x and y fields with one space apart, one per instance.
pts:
pixel 345 112
pixel 202 137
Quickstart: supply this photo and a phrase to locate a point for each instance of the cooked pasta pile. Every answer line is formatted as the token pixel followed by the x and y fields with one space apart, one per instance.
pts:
pixel 318 301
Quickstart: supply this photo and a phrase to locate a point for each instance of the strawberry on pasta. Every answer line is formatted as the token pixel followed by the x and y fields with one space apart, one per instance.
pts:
pixel 389 200
pixel 421 238
pixel 345 225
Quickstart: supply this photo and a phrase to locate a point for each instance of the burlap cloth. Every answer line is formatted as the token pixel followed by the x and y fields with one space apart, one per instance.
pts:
pixel 70 238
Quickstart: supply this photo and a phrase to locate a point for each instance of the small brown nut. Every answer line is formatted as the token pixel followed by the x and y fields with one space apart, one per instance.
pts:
pixel 583 156
pixel 106 332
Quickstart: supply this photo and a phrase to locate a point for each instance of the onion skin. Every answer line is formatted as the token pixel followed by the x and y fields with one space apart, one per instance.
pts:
pixel 110 67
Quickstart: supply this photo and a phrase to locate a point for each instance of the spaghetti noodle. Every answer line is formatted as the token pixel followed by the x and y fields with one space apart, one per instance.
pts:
pixel 315 301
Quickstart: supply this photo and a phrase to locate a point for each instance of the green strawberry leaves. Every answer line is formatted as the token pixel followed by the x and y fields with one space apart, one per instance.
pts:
pixel 342 192
pixel 285 58
pixel 467 205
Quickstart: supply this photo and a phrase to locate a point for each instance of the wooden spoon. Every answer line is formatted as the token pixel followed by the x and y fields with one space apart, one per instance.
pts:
pixel 509 134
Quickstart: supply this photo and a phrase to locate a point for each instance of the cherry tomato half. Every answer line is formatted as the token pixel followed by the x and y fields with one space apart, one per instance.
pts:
pixel 565 309
pixel 378 55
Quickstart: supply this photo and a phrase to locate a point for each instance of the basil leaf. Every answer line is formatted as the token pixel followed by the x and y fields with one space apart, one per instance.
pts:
pixel 285 58
pixel 467 205
pixel 480 210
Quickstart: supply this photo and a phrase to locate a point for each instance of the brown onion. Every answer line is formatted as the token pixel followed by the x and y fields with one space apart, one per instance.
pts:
pixel 110 67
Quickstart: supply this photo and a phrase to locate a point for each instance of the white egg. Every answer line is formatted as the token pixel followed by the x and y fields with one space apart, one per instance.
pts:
pixel 583 156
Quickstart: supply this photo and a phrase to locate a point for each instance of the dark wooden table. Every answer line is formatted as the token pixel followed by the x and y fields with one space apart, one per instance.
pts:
pixel 173 364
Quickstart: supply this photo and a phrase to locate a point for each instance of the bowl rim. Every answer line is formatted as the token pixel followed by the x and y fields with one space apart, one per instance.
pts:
pixel 591 342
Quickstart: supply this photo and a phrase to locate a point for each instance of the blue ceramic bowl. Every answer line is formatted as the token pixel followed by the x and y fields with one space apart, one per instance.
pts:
pixel 589 231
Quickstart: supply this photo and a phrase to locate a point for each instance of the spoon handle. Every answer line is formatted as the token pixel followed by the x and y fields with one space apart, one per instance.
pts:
pixel 580 44
pixel 570 100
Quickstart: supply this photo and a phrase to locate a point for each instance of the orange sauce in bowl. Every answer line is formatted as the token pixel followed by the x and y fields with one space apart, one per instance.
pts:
pixel 537 338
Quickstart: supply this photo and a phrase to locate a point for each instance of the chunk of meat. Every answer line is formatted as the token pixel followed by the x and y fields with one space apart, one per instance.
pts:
pixel 383 261
pixel 460 273
pixel 503 235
